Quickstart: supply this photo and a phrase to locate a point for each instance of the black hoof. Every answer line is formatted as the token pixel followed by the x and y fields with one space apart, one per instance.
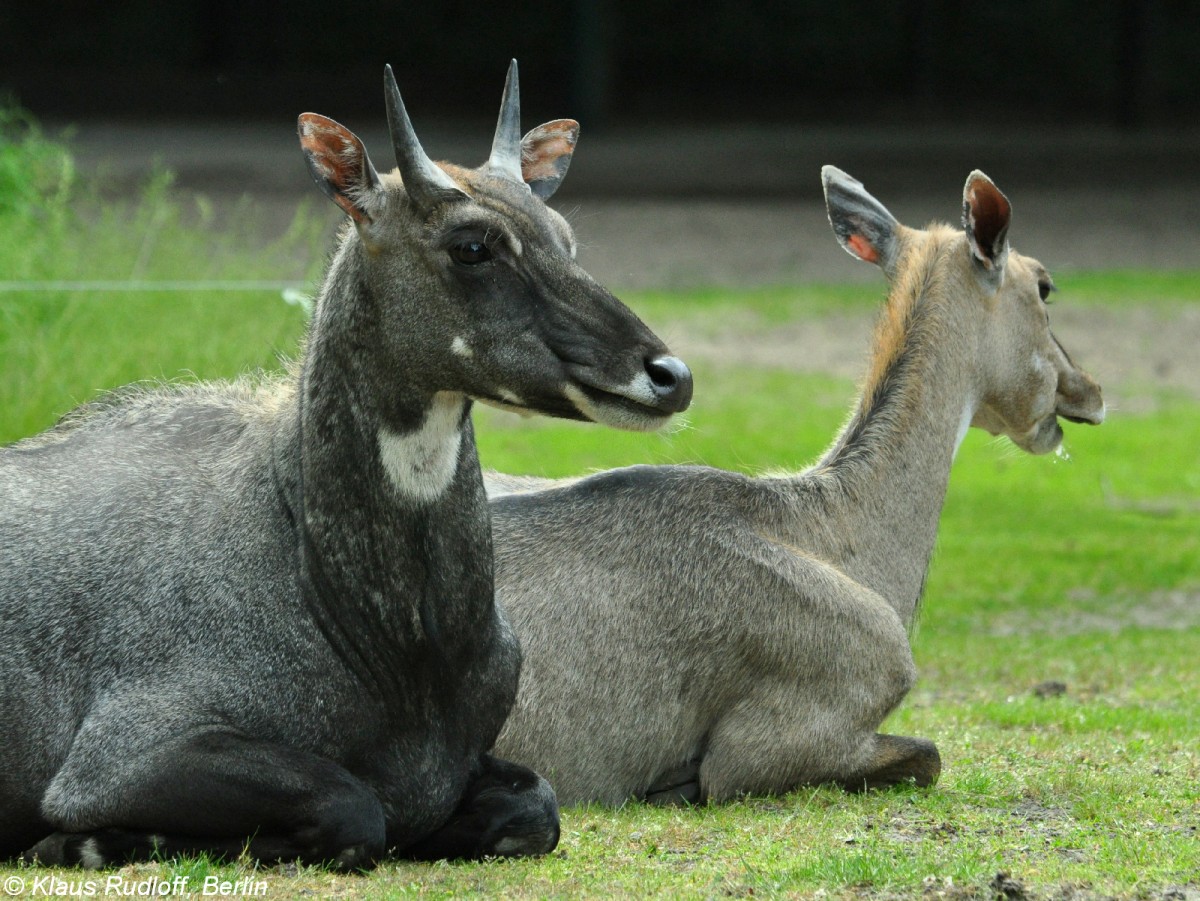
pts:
pixel 89 850
pixel 898 760
pixel 678 787
pixel 509 811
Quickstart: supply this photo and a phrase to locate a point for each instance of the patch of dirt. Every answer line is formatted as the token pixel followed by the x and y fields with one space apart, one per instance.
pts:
pixel 1052 688
pixel 1005 886
pixel 1138 355
pixel 1089 612
pixel 1009 887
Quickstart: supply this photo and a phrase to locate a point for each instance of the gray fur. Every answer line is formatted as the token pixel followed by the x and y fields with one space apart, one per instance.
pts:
pixel 222 616
pixel 691 633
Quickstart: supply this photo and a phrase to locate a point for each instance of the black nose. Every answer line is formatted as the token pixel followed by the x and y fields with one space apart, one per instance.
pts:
pixel 672 382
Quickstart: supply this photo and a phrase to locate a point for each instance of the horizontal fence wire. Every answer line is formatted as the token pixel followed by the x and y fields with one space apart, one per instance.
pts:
pixel 126 285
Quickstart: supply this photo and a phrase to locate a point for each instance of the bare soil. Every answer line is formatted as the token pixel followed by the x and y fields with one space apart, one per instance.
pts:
pixel 1138 355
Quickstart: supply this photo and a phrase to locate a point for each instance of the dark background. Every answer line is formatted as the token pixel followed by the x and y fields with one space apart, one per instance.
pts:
pixel 1125 63
pixel 705 125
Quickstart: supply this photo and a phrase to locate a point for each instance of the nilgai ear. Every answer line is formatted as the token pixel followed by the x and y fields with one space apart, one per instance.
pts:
pixel 338 163
pixel 546 153
pixel 862 224
pixel 986 216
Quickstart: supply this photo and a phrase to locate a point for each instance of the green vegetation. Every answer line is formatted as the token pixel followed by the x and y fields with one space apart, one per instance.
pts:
pixel 93 289
pixel 1058 642
pixel 35 174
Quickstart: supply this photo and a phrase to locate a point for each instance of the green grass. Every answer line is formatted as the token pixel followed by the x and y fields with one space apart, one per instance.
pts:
pixel 60 350
pixel 1161 289
pixel 59 347
pixel 1083 571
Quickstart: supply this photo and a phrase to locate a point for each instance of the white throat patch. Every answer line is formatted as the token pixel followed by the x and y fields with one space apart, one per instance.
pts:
pixel 421 464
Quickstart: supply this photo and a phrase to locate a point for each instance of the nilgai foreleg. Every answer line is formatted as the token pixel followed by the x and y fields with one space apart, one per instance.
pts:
pixel 508 811
pixel 215 793
pixel 896 759
pixel 816 723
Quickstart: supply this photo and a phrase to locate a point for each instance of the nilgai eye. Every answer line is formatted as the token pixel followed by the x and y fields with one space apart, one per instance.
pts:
pixel 470 253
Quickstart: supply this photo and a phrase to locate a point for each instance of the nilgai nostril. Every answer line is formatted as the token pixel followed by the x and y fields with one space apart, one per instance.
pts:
pixel 671 380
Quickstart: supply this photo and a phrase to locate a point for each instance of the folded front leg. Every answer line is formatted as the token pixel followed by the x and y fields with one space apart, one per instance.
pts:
pixel 508 811
pixel 677 787
pixel 215 793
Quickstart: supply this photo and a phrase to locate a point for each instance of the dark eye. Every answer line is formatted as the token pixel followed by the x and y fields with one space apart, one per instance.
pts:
pixel 470 253
pixel 1045 286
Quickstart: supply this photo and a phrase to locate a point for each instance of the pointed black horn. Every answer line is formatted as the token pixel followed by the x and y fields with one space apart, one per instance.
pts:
pixel 426 183
pixel 506 145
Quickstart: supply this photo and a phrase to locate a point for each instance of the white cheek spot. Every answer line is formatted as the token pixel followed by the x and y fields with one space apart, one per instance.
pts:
pixel 580 400
pixel 1045 367
pixel 461 348
pixel 90 857
pixel 1044 404
pixel 421 464
pixel 590 409
pixel 510 397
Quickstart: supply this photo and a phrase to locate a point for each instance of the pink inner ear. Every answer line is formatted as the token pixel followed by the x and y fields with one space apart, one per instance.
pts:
pixel 989 205
pixel 544 163
pixel 339 156
pixel 543 149
pixel 334 149
pixel 989 215
pixel 863 249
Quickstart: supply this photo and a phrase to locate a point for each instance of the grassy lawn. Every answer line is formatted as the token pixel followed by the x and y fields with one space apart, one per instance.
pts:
pixel 1058 643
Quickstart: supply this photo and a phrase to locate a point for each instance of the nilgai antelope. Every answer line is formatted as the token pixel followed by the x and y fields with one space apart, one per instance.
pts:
pixel 697 634
pixel 260 617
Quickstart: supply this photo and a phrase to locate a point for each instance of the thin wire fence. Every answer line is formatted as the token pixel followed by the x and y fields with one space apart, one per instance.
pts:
pixel 142 285
pixel 291 292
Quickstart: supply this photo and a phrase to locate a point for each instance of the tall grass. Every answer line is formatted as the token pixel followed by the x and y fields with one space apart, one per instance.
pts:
pixel 97 291
pixel 36 175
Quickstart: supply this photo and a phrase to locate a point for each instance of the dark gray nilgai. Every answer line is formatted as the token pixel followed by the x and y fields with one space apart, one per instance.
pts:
pixel 261 616
pixel 691 633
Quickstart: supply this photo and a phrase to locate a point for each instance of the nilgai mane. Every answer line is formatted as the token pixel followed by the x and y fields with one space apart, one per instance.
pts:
pixel 691 633
pixel 260 616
